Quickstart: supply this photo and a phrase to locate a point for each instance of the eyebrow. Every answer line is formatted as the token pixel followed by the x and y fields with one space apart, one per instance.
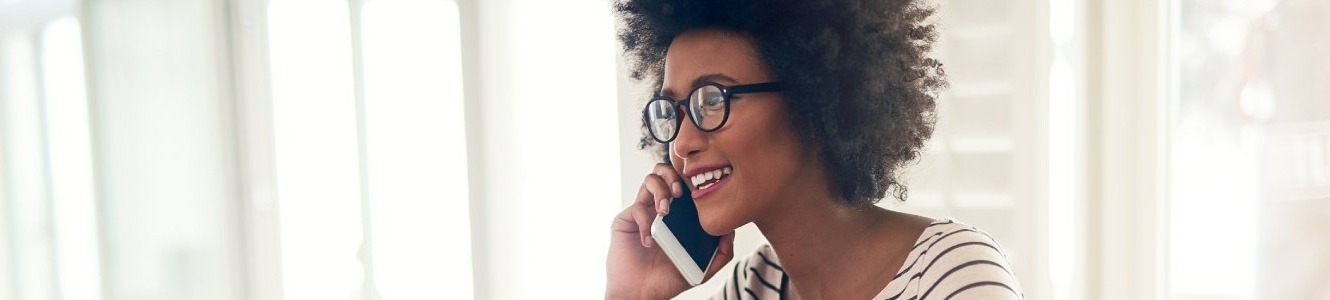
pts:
pixel 699 81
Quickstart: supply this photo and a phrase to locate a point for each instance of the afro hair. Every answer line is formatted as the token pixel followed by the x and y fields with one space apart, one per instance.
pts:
pixel 856 75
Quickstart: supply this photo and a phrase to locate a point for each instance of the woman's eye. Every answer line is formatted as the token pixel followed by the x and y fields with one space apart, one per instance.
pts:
pixel 715 99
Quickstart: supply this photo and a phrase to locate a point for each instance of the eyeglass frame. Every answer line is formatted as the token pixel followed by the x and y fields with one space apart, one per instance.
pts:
pixel 726 91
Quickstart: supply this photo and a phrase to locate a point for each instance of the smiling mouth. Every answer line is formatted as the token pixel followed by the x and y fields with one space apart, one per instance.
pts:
pixel 706 179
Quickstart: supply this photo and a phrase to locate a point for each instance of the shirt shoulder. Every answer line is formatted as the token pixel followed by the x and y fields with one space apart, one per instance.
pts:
pixel 949 260
pixel 953 260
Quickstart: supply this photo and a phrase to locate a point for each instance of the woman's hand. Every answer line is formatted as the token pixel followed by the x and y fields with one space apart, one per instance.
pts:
pixel 637 268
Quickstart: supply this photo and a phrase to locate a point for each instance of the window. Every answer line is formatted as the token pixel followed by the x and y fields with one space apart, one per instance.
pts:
pixel 1249 137
pixel 297 149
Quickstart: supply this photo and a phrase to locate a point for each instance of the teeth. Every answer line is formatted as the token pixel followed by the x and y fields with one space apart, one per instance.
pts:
pixel 700 180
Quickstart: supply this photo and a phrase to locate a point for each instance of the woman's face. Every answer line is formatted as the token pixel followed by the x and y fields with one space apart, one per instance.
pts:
pixel 757 145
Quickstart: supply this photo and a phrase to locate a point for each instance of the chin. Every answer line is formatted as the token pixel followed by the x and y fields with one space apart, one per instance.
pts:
pixel 717 224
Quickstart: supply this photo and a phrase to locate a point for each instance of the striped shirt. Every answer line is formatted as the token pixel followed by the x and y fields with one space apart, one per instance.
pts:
pixel 950 260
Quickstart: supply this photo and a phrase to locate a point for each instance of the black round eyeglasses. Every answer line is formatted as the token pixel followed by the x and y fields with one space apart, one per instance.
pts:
pixel 708 107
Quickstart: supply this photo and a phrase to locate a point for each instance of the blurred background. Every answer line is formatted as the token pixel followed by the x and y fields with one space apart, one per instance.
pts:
pixel 452 149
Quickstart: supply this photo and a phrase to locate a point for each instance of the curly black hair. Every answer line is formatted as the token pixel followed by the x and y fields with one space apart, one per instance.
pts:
pixel 856 74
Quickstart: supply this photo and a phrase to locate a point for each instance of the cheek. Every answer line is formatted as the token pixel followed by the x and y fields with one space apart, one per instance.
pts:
pixel 771 153
pixel 768 169
pixel 766 156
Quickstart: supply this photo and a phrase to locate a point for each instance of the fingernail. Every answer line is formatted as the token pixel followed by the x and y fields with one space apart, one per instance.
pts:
pixel 647 242
pixel 665 209
pixel 678 189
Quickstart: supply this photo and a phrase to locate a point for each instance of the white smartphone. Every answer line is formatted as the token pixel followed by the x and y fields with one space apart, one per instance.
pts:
pixel 680 235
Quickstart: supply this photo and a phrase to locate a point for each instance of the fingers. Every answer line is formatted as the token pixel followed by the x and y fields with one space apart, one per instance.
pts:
pixel 660 193
pixel 643 214
pixel 658 188
pixel 724 253
pixel 674 183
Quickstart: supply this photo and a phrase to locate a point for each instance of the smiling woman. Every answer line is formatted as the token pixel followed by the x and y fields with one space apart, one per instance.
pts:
pixel 801 114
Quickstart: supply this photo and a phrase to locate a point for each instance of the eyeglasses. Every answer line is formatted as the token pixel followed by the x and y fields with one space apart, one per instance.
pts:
pixel 708 107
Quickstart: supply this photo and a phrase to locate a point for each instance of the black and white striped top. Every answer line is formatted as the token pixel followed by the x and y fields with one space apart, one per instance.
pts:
pixel 950 260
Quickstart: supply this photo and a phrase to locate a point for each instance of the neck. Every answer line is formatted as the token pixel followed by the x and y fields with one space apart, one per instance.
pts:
pixel 821 239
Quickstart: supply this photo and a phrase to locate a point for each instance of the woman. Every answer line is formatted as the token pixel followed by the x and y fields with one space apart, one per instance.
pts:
pixel 834 98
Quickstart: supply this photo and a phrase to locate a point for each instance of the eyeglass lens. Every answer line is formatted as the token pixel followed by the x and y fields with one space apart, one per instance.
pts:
pixel 706 107
pixel 662 119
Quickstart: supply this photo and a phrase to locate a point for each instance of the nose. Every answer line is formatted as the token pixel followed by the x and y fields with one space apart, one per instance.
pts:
pixel 690 140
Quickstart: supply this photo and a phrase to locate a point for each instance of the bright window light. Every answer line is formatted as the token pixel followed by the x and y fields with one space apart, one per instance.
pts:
pixel 70 160
pixel 565 154
pixel 416 150
pixel 1063 183
pixel 314 124
pixel 1226 201
pixel 26 192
